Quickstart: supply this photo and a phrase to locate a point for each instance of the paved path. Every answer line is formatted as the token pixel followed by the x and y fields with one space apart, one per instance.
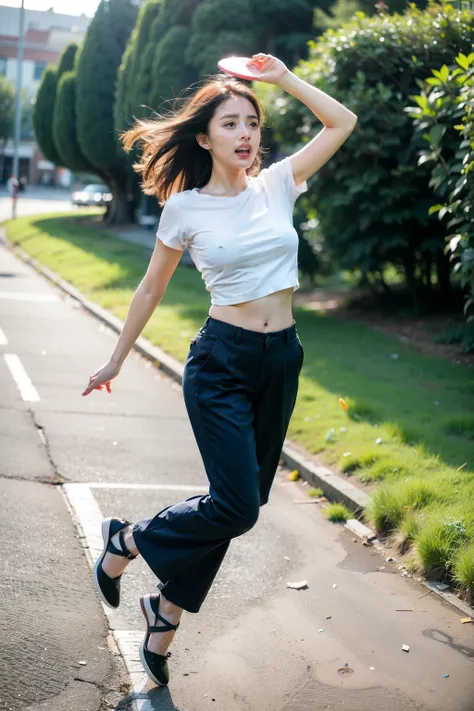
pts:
pixel 66 461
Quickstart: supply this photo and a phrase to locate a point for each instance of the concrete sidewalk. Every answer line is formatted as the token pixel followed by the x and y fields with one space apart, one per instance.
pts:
pixel 55 651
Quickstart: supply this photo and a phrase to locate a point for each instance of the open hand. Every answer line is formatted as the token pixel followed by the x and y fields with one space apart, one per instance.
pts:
pixel 273 69
pixel 102 377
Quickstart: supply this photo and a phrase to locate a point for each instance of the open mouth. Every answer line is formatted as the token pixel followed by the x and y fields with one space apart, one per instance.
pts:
pixel 244 152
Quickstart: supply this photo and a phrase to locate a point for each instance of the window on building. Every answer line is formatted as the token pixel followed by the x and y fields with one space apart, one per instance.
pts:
pixel 39 69
pixel 3 66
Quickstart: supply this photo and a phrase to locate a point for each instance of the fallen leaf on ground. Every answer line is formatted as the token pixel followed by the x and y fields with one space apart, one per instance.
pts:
pixel 464 620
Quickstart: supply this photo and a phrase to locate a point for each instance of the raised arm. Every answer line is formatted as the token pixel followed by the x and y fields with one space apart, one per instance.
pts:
pixel 339 121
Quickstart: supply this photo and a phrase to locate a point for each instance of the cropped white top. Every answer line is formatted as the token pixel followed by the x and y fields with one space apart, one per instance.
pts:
pixel 245 247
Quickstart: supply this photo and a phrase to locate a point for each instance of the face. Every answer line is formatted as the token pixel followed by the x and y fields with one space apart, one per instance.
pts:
pixel 233 133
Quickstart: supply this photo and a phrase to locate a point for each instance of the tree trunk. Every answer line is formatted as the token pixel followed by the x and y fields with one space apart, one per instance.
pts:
pixel 119 210
pixel 444 273
pixel 427 267
pixel 410 276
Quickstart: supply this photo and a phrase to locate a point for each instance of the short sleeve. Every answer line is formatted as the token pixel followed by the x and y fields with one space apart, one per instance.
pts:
pixel 278 177
pixel 170 227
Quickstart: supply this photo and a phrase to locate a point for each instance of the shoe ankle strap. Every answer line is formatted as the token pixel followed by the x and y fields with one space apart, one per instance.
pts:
pixel 124 552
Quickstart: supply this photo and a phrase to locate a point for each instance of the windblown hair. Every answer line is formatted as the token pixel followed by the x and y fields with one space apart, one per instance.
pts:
pixel 171 159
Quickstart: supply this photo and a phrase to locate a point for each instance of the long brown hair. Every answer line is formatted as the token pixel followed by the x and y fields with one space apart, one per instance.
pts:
pixel 172 160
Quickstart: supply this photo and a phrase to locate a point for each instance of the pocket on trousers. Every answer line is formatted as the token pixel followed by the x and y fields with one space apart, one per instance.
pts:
pixel 201 350
pixel 300 350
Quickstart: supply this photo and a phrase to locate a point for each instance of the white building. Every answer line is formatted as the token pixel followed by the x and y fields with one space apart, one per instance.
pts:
pixel 45 36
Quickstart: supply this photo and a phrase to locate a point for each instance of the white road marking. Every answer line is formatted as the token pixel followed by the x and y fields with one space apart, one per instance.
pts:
pixel 151 487
pixel 28 296
pixel 88 518
pixel 3 338
pixel 27 390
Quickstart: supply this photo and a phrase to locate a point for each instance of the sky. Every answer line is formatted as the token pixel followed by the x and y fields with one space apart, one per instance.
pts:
pixel 67 7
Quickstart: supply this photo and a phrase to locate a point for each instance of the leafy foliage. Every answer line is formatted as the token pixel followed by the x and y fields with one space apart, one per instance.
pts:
pixel 444 118
pixel 371 198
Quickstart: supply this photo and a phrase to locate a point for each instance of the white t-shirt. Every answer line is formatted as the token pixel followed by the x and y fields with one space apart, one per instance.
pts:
pixel 245 246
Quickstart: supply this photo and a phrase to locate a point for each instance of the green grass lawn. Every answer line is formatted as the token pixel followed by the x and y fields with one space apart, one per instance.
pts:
pixel 408 435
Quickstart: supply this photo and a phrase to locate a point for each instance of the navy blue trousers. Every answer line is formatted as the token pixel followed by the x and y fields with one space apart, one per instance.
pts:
pixel 240 389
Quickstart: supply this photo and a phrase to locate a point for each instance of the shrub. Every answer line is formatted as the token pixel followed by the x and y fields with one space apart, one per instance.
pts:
pixel 444 118
pixel 372 65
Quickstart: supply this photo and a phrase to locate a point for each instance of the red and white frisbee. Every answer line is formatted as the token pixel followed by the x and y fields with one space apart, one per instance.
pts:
pixel 238 67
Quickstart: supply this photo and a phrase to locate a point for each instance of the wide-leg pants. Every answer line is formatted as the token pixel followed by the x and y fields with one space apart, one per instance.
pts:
pixel 240 389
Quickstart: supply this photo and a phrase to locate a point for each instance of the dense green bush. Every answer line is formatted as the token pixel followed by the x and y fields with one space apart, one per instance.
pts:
pixel 372 199
pixel 444 118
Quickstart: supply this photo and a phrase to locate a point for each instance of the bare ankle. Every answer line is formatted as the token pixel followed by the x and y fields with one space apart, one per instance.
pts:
pixel 169 607
pixel 130 542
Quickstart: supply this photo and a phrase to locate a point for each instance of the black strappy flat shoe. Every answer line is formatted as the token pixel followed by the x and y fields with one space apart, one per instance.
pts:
pixel 109 588
pixel 156 665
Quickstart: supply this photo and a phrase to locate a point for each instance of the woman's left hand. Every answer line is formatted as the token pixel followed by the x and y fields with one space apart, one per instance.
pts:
pixel 273 69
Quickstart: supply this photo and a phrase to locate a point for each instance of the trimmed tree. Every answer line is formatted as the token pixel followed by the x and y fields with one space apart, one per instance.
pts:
pixel 7 113
pixel 7 108
pixel 43 110
pixel 96 78
pixel 134 74
pixel 65 127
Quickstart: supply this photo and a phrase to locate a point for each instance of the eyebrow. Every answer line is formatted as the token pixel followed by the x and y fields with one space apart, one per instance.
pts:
pixel 237 116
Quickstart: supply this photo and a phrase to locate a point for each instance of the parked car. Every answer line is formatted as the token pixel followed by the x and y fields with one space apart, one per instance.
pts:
pixel 95 195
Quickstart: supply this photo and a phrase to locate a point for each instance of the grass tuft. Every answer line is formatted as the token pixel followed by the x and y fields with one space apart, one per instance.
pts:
pixel 405 534
pixel 437 543
pixel 391 502
pixel 463 570
pixel 337 512
pixel 315 492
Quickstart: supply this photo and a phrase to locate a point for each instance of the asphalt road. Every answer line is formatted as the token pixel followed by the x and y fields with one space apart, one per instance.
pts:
pixel 256 645
pixel 36 202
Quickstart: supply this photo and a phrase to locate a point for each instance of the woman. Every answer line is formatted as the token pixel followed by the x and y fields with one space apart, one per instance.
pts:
pixel 241 374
